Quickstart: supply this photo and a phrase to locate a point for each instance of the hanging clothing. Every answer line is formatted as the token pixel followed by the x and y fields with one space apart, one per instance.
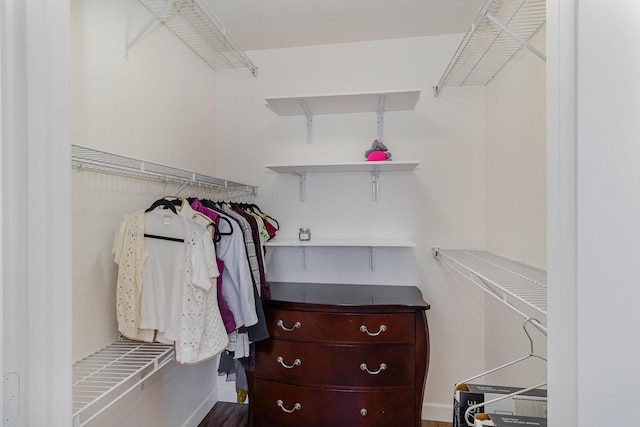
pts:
pixel 193 274
pixel 128 254
pixel 225 311
pixel 178 296
pixel 237 283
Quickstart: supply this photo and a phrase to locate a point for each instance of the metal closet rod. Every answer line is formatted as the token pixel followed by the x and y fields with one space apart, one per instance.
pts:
pixel 91 159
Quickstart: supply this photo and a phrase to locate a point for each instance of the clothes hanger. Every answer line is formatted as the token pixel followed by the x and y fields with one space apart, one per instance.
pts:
pixel 218 234
pixel 532 354
pixel 162 203
pixel 176 200
pixel 265 216
pixel 225 219
pixel 165 204
pixel 215 234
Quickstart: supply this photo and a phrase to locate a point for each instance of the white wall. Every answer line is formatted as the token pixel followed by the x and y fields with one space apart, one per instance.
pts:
pixel 608 208
pixel 35 212
pixel 516 159
pixel 594 204
pixel 159 106
pixel 440 204
pixel 516 203
pixel 562 241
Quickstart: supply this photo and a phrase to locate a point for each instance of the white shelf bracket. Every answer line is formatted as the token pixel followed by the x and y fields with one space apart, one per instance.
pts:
pixel 156 18
pixel 375 184
pixel 372 258
pixel 380 116
pixel 519 39
pixel 302 186
pixel 309 116
pixel 305 258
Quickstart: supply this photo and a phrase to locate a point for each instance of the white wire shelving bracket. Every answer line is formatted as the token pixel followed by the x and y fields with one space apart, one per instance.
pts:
pixel 501 28
pixel 84 158
pixel 104 377
pixel 193 22
pixel 513 283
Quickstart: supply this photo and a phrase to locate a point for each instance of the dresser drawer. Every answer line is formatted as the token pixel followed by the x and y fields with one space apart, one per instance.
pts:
pixel 341 327
pixel 283 405
pixel 335 364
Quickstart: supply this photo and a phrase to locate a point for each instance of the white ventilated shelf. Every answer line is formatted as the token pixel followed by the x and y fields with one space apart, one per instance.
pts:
pixel 514 283
pixel 104 377
pixel 90 159
pixel 374 168
pixel 501 28
pixel 193 22
pixel 370 244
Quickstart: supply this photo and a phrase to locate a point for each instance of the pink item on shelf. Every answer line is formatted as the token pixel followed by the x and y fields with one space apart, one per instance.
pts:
pixel 375 156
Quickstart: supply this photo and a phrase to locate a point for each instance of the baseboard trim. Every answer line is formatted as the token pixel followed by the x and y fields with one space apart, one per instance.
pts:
pixel 202 410
pixel 437 412
pixel 227 391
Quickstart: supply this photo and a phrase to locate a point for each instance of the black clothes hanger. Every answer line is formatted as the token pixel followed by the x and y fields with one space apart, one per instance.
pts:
pixel 164 203
pixel 225 219
pixel 171 239
pixel 255 208
pixel 177 202
pixel 167 205
pixel 212 205
pixel 277 225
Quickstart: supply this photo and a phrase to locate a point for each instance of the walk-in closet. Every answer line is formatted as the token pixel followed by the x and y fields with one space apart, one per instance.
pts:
pixel 418 196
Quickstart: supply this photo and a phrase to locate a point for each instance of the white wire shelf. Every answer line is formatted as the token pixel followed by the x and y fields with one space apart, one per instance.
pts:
pixel 91 159
pixel 101 379
pixel 499 30
pixel 514 283
pixel 193 22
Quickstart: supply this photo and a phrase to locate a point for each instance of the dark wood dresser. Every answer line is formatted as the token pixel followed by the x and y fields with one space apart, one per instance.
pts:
pixel 341 355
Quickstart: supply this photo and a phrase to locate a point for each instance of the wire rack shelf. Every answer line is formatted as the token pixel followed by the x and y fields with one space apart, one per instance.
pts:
pixel 501 28
pixel 91 159
pixel 102 378
pixel 193 22
pixel 514 283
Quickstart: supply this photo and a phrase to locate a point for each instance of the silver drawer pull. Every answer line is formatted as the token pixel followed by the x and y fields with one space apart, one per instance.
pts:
pixel 364 329
pixel 295 326
pixel 296 362
pixel 296 407
pixel 364 367
pixel 363 412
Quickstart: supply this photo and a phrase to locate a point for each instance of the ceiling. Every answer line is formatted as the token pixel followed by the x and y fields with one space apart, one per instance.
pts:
pixel 270 24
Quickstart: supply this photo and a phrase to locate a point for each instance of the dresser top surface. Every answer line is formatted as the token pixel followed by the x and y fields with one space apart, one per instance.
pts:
pixel 341 295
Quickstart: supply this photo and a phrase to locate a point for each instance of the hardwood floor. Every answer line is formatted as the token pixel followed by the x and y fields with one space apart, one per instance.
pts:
pixel 225 414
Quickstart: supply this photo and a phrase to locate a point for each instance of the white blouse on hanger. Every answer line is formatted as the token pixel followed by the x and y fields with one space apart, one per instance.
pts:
pixel 175 285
